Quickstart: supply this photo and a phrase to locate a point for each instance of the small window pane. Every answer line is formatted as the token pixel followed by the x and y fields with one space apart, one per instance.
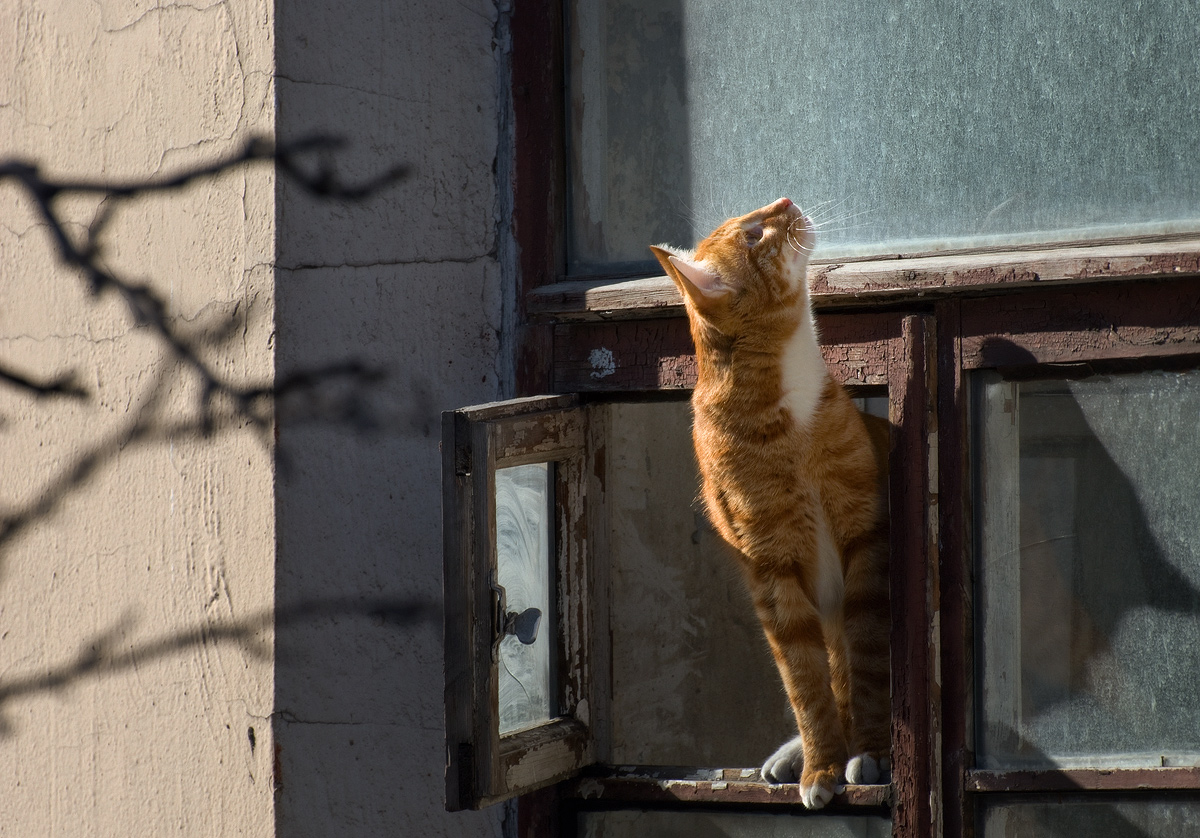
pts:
pixel 1095 819
pixel 523 570
pixel 1089 526
pixel 693 679
pixel 633 824
pixel 917 126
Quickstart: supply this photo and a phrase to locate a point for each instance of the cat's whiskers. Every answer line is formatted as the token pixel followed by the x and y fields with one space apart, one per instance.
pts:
pixel 794 241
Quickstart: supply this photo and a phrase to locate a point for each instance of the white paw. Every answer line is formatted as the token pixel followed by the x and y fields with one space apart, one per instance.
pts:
pixel 815 797
pixel 786 764
pixel 865 770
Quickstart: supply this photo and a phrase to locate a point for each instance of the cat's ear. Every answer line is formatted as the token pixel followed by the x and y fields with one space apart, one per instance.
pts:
pixel 703 287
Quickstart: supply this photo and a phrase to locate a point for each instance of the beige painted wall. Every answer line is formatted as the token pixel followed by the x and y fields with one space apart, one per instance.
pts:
pixel 170 533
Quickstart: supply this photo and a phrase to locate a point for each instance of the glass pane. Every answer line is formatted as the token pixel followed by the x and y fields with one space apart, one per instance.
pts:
pixel 693 679
pixel 908 127
pixel 627 824
pixel 523 570
pixel 1089 583
pixel 1095 819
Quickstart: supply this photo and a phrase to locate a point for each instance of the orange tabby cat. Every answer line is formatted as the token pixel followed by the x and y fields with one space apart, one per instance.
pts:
pixel 791 479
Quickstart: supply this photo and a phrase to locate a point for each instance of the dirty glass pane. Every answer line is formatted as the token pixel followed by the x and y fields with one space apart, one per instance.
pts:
pixel 1093 818
pixel 1088 520
pixel 627 824
pixel 523 568
pixel 693 679
pixel 906 126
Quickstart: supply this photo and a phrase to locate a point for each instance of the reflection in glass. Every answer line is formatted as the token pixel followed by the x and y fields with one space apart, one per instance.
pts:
pixel 523 569
pixel 920 126
pixel 632 824
pixel 1088 519
pixel 1093 818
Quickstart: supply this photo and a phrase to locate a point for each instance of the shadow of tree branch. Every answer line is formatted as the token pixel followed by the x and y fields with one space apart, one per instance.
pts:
pixel 98 657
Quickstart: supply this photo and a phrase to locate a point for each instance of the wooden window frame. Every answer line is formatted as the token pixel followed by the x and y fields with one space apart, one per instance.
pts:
pixel 1051 332
pixel 933 318
pixel 484 767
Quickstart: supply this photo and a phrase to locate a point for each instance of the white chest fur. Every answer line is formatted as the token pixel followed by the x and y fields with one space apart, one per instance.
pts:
pixel 803 372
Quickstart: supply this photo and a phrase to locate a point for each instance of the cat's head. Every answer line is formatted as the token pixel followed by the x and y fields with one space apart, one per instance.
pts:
pixel 749 273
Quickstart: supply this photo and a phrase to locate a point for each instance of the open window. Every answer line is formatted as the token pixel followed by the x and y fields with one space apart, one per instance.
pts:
pixel 656 677
pixel 520 487
pixel 1023 219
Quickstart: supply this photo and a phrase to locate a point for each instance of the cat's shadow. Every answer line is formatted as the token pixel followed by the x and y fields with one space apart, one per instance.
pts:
pixel 1100 598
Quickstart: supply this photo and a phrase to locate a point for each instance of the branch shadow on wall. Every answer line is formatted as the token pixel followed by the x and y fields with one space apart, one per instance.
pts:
pixel 347 395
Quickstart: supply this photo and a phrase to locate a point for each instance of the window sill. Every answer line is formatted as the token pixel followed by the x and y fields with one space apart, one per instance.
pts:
pixel 658 785
pixel 1085 779
pixel 859 284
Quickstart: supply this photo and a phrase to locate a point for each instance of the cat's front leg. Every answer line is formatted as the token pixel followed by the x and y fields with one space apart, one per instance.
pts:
pixel 817 757
pixel 786 765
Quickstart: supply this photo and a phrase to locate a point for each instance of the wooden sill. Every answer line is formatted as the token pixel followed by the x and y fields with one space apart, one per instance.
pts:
pixel 857 284
pixel 659 785
pixel 1085 779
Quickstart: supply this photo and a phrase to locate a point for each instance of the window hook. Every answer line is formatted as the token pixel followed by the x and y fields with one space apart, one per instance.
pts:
pixel 524 625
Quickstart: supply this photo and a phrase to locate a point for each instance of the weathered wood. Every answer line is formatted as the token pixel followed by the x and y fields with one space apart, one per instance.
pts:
pixel 906 278
pixel 634 355
pixel 913 755
pixel 484 767
pixel 953 671
pixel 538 176
pixel 1085 779
pixel 717 786
pixel 894 280
pixel 1079 326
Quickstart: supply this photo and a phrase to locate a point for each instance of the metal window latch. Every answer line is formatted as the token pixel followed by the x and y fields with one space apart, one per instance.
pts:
pixel 524 625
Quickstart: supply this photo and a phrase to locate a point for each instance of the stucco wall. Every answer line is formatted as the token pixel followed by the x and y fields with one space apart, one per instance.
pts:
pixel 411 282
pixel 329 726
pixel 169 533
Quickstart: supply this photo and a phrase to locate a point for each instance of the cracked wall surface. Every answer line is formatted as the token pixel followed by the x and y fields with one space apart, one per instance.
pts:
pixel 154 536
pixel 165 535
pixel 411 282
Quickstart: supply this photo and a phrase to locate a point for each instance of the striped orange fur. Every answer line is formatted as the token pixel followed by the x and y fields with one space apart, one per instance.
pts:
pixel 792 478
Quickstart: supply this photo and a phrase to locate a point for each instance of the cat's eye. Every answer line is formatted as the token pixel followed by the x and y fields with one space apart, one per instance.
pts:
pixel 754 235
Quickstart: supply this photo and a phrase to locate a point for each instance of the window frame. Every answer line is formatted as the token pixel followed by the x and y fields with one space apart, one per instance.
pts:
pixel 1099 328
pixel 957 298
pixel 483 766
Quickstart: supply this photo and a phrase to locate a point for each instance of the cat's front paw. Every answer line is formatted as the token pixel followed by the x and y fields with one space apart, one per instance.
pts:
pixel 786 764
pixel 866 769
pixel 818 787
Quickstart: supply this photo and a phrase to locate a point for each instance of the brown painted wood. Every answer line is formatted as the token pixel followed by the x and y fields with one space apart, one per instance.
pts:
pixel 633 355
pixel 737 786
pixel 623 356
pixel 910 397
pixel 1070 326
pixel 539 814
pixel 1084 779
pixel 954 571
pixel 899 279
pixel 483 767
pixel 538 175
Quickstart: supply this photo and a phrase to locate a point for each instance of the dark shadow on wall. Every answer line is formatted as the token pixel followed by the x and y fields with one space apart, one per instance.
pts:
pixel 414 283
